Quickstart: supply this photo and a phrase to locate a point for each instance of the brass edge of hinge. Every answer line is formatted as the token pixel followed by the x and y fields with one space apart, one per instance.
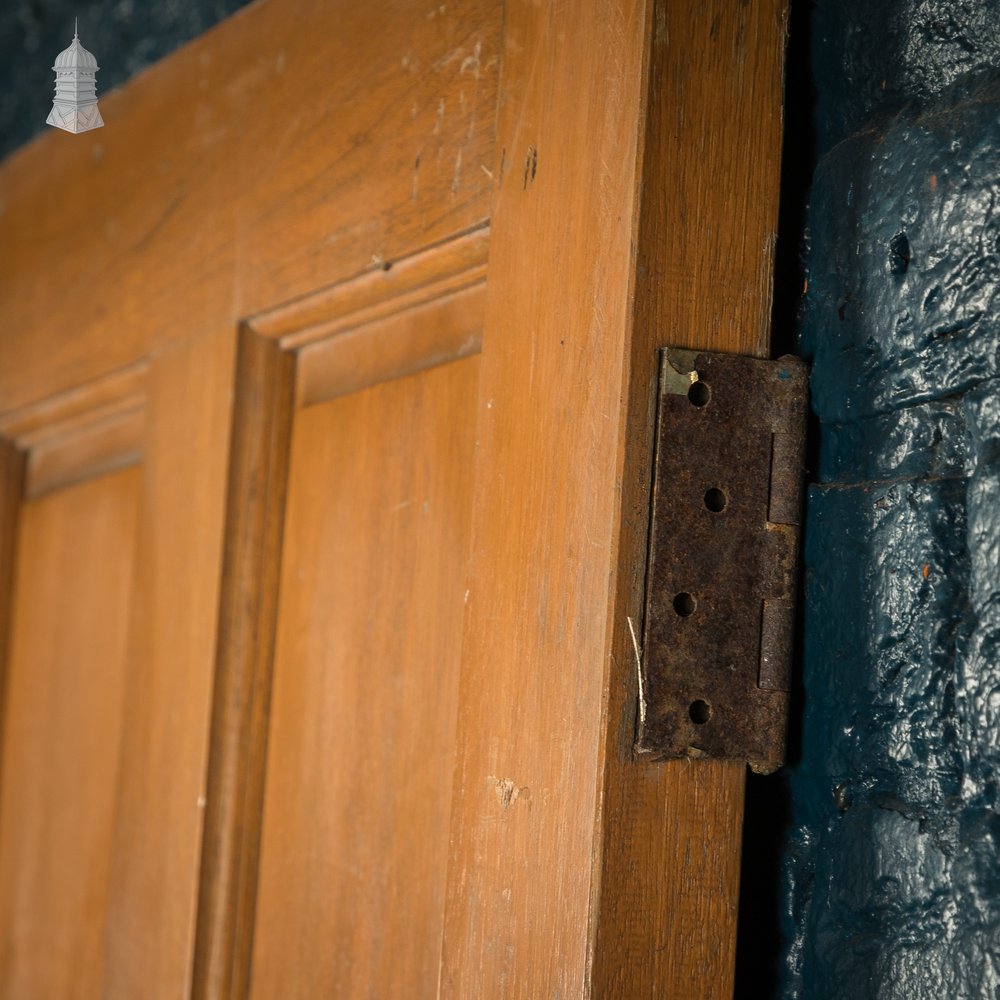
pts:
pixel 721 582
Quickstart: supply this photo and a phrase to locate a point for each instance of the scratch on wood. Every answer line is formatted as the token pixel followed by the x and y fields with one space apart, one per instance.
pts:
pixel 508 792
pixel 161 220
pixel 456 180
pixel 472 62
pixel 530 166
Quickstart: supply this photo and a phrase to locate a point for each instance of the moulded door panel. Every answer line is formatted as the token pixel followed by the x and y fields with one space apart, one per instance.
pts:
pixel 63 736
pixel 110 558
pixel 362 735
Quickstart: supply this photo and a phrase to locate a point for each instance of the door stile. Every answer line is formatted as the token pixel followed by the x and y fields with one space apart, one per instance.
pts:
pixel 636 207
pixel 672 831
pixel 525 834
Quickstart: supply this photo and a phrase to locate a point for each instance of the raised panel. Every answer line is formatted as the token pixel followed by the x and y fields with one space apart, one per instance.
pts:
pixel 361 749
pixel 62 735
pixel 137 733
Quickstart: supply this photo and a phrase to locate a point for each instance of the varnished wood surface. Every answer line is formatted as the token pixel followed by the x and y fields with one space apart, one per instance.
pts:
pixel 429 273
pixel 64 717
pixel 12 469
pixel 547 640
pixel 412 338
pixel 261 179
pixel 293 149
pixel 362 742
pixel 173 412
pixel 89 430
pixel 446 329
pixel 295 145
pixel 670 855
pixel 251 562
pixel 101 445
pixel 522 877
pixel 113 393
pixel 161 796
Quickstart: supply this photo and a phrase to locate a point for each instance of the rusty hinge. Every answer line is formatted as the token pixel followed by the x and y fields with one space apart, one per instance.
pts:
pixel 721 578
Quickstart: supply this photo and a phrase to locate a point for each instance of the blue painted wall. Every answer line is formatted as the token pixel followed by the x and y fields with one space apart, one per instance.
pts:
pixel 892 865
pixel 124 35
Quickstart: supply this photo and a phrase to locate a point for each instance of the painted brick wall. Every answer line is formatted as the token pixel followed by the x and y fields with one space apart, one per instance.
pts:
pixel 892 868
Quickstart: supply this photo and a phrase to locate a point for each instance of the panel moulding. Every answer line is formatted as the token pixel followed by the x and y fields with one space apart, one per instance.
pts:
pixel 80 433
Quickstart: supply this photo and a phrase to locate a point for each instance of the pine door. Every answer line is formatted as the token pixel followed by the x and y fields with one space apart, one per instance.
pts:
pixel 326 379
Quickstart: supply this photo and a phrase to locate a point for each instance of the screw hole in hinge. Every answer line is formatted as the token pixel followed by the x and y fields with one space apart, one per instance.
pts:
pixel 699 393
pixel 700 712
pixel 684 604
pixel 716 500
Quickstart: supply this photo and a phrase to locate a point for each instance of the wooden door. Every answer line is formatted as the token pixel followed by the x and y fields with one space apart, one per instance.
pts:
pixel 326 379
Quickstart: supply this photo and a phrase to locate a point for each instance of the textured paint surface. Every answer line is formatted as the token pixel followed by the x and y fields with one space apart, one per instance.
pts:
pixel 125 36
pixel 892 871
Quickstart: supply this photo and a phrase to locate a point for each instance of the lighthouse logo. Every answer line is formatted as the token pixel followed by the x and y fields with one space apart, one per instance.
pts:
pixel 75 106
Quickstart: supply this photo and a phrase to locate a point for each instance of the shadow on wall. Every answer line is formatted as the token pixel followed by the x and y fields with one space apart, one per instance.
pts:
pixel 877 847
pixel 124 35
pixel 768 815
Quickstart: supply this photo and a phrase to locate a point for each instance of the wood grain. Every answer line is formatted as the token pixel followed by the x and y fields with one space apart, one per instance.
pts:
pixel 12 469
pixel 160 793
pixel 297 144
pixel 670 852
pixel 62 735
pixel 446 329
pixel 176 407
pixel 362 742
pixel 294 149
pixel 259 181
pixel 251 560
pixel 685 237
pixel 536 639
pixel 428 274
pixel 86 431
pixel 61 412
pixel 92 447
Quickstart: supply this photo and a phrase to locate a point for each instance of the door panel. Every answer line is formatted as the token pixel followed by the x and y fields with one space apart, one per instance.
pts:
pixel 361 749
pixel 62 738
pixel 164 426
pixel 337 591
